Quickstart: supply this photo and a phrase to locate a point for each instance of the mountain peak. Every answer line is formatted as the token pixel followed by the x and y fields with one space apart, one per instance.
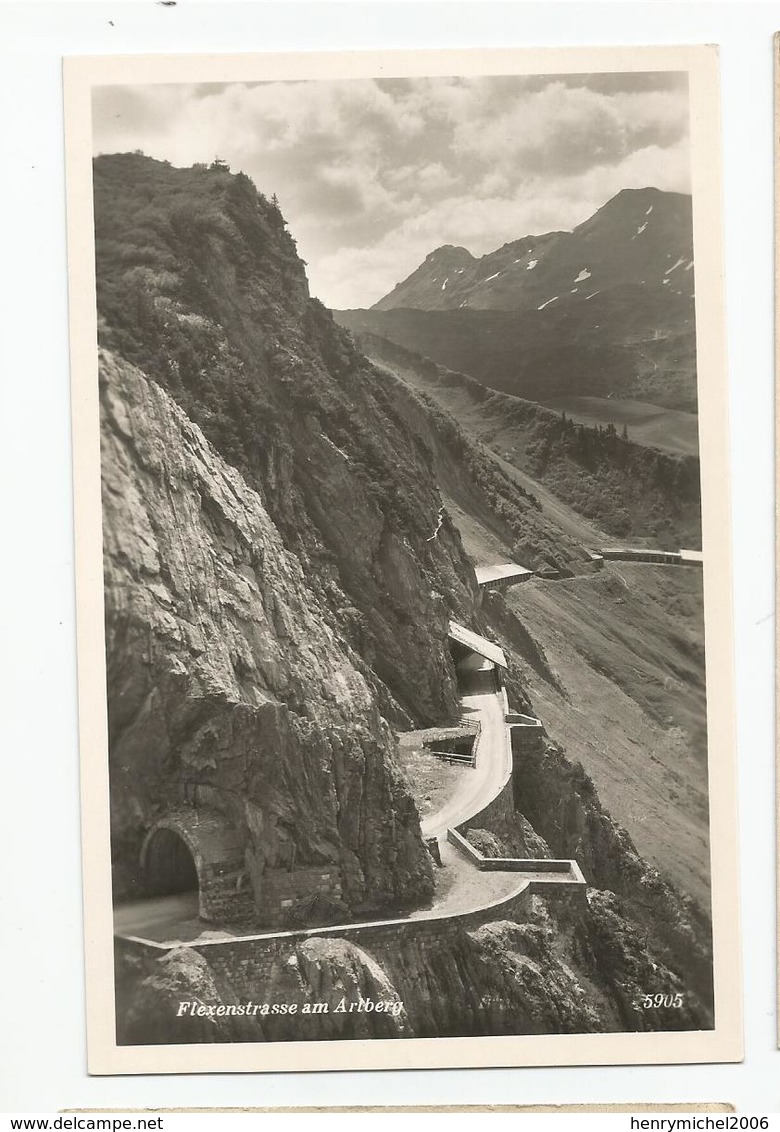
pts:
pixel 450 251
pixel 628 201
pixel 427 286
pixel 639 237
pixel 647 191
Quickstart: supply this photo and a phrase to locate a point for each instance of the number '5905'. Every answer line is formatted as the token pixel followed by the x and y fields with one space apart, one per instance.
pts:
pixel 650 1001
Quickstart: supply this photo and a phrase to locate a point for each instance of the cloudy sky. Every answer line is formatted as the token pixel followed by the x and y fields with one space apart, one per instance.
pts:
pixel 372 175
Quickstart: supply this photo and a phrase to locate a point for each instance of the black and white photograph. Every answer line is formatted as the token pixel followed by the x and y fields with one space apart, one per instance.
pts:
pixel 402 509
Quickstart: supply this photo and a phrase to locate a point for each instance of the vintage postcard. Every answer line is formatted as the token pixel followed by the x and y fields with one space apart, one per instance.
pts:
pixel 405 658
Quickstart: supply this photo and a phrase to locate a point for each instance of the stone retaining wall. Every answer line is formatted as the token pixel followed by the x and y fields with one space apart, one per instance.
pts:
pixel 282 889
pixel 249 962
pixel 554 876
pixel 525 729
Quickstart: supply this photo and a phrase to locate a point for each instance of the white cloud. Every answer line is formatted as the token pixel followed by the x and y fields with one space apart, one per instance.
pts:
pixel 372 175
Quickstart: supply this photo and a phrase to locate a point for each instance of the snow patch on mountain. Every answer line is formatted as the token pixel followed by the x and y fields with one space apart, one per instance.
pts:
pixel 532 264
pixel 547 303
pixel 583 275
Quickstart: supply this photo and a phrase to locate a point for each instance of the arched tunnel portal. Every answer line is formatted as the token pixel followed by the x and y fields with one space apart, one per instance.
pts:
pixel 196 851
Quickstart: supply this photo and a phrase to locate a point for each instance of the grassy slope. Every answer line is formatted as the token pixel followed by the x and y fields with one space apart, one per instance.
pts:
pixel 496 514
pixel 431 781
pixel 626 648
pixel 651 425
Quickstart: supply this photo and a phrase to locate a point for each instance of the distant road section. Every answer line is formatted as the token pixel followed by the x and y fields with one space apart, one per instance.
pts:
pixel 652 557
pixel 503 576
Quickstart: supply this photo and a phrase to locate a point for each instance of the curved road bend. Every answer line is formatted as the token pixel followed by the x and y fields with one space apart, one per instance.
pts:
pixel 460 885
pixel 494 754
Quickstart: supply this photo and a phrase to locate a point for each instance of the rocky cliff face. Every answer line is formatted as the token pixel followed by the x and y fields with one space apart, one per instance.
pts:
pixel 228 688
pixel 200 285
pixel 560 801
pixel 502 978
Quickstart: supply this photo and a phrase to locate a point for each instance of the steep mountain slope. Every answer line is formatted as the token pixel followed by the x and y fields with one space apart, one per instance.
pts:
pixel 200 286
pixel 613 663
pixel 477 491
pixel 228 690
pixel 606 310
pixel 620 488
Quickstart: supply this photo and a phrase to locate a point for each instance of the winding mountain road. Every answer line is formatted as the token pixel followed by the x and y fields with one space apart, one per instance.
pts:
pixel 462 886
pixel 493 768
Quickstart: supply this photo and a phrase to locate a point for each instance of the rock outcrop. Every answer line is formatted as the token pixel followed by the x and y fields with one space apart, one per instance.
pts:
pixel 200 286
pixel 228 687
pixel 568 969
pixel 561 802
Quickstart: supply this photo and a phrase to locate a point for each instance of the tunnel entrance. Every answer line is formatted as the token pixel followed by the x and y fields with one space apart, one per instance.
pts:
pixel 168 865
pixel 476 674
pixel 198 853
